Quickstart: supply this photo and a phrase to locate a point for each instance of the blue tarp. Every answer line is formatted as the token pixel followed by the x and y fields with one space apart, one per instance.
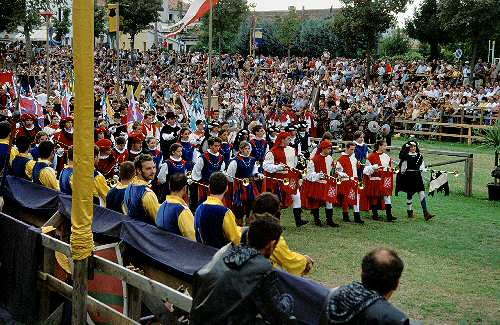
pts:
pixel 179 256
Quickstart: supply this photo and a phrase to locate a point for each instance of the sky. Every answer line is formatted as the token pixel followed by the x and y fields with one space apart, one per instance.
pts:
pixel 264 5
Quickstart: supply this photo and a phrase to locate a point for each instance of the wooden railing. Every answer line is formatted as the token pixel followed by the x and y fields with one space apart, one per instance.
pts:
pixel 137 284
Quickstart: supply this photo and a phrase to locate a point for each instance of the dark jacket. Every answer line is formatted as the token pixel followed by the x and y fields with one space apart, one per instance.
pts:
pixel 236 286
pixel 354 304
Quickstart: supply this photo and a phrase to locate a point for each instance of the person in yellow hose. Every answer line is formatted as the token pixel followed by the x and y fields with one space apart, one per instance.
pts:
pixel 140 202
pixel 43 173
pixel 283 257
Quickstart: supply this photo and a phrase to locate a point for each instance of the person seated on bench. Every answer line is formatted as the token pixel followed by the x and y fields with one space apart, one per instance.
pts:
pixel 239 284
pixel 43 173
pixel 174 214
pixel 215 224
pixel 367 302
pixel 114 199
pixel 290 261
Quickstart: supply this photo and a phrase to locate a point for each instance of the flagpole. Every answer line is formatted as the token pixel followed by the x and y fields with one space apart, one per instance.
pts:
pixel 117 52
pixel 210 39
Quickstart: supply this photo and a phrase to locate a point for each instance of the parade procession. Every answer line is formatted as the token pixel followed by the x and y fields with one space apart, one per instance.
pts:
pixel 223 162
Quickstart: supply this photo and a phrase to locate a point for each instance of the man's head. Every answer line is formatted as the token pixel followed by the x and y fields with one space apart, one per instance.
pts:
pixel 218 183
pixel 23 144
pixel 145 167
pixel 264 233
pixel 214 144
pixel 5 129
pixel 380 271
pixel 380 146
pixel 176 150
pixel 245 149
pixel 178 183
pixel 127 171
pixel 349 148
pixel 46 150
pixel 267 202
pixel 41 136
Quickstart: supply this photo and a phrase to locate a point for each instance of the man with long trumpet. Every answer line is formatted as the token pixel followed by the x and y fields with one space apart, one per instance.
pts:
pixel 281 176
pixel 378 180
pixel 315 188
pixel 242 171
pixel 206 164
pixel 347 180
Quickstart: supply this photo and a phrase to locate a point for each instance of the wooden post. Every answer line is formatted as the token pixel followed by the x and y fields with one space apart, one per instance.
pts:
pixel 469 136
pixel 47 267
pixel 469 166
pixel 79 311
pixel 134 302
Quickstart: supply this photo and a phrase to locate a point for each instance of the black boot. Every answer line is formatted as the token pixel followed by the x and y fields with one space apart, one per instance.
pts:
pixel 428 216
pixel 410 214
pixel 329 218
pixel 297 214
pixel 375 215
pixel 388 213
pixel 357 218
pixel 345 217
pixel 317 220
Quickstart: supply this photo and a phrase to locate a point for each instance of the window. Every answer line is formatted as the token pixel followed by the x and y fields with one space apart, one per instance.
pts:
pixel 170 17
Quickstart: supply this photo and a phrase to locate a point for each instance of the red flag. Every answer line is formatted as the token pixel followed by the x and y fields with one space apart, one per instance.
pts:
pixel 197 10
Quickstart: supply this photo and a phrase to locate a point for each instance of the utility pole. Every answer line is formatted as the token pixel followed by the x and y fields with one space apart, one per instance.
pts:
pixel 210 39
pixel 117 86
pixel 47 14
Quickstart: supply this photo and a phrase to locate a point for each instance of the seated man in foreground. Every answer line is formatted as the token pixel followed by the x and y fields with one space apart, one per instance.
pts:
pixel 367 302
pixel 238 286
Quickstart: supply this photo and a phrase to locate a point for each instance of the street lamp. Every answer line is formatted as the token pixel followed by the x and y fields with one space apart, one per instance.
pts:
pixel 47 14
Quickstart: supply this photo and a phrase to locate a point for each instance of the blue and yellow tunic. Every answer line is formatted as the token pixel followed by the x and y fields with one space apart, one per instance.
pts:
pixel 45 175
pixel 115 198
pixel 174 216
pixel 22 166
pixel 215 225
pixel 140 202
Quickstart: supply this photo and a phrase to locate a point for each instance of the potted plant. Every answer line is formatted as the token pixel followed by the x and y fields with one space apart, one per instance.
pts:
pixel 491 139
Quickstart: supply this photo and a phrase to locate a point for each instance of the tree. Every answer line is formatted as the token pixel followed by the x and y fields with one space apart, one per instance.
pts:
pixel 360 23
pixel 474 21
pixel 316 36
pixel 137 15
pixel 227 19
pixel 271 45
pixel 100 19
pixel 288 29
pixel 395 44
pixel 426 27
pixel 62 26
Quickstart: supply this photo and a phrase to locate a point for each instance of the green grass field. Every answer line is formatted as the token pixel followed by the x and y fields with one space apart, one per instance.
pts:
pixel 452 263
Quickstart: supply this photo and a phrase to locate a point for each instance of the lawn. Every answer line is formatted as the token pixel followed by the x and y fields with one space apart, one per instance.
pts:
pixel 452 263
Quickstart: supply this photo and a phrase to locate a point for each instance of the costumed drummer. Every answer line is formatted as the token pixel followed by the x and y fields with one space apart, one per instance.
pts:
pixel 140 201
pixel 409 179
pixel 171 166
pixel 279 165
pixel 106 161
pixel 241 169
pixel 315 188
pixel 379 180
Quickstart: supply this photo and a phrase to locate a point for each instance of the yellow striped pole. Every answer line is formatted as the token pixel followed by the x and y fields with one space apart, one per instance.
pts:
pixel 82 243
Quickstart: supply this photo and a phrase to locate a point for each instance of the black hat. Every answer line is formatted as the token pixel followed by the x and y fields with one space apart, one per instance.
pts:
pixel 290 128
pixel 170 114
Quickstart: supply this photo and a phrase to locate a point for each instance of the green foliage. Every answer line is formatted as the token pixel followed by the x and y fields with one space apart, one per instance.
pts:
pixel 473 21
pixel 288 29
pixel 360 22
pixel 271 44
pixel 138 15
pixel 396 43
pixel 490 138
pixel 228 16
pixel 426 27
pixel 100 20
pixel 409 56
pixel 316 36
pixel 62 26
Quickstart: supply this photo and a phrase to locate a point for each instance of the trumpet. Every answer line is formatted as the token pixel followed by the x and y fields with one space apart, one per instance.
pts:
pixel 189 177
pixel 113 181
pixel 244 181
pixel 285 181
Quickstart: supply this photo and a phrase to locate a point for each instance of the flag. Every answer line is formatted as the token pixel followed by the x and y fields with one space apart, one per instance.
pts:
pixel 196 112
pixel 7 78
pixel 133 113
pixel 107 111
pixel 197 10
pixel 65 109
pixel 245 103
pixel 29 105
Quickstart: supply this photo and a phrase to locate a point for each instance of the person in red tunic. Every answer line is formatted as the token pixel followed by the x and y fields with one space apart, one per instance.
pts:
pixel 280 163
pixel 347 190
pixel 315 187
pixel 100 133
pixel 149 128
pixel 28 127
pixel 106 163
pixel 64 140
pixel 120 150
pixel 135 140
pixel 378 179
